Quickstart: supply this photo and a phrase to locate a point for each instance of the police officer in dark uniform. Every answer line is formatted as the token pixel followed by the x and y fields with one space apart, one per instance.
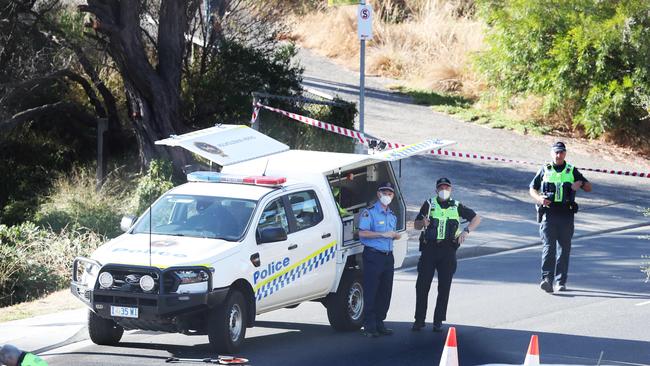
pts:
pixel 558 182
pixel 377 225
pixel 440 216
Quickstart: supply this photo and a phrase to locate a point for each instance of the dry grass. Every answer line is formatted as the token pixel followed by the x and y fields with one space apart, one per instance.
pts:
pixel 53 303
pixel 430 49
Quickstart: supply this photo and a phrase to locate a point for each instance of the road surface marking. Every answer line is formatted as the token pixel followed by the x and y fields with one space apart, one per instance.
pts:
pixel 643 303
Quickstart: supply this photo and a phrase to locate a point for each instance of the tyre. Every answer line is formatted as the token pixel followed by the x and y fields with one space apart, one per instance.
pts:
pixel 102 331
pixel 345 307
pixel 227 324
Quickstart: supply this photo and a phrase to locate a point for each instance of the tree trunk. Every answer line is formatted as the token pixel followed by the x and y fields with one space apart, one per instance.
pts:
pixel 153 92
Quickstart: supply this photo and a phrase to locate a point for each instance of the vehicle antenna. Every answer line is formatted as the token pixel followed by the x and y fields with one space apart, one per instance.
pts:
pixel 266 166
pixel 149 234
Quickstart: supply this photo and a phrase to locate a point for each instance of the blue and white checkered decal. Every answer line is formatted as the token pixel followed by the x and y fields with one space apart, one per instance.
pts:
pixel 293 273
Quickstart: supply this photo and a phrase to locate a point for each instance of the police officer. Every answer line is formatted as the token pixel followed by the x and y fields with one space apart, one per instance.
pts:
pixel 377 226
pixel 440 216
pixel 558 182
pixel 12 356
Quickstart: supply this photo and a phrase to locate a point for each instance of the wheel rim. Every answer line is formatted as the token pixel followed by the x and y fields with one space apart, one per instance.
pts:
pixel 355 301
pixel 235 322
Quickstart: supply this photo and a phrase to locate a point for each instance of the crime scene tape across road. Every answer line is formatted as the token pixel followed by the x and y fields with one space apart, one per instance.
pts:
pixel 361 138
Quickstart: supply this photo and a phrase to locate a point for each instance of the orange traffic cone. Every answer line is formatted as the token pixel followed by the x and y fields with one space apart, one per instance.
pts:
pixel 532 356
pixel 450 353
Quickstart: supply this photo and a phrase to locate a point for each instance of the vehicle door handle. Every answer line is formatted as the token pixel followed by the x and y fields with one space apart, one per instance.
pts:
pixel 293 246
pixel 325 236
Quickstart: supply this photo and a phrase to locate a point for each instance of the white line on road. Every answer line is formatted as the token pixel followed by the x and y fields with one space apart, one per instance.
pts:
pixel 643 303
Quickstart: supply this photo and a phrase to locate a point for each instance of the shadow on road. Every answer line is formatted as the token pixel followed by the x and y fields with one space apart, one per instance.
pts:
pixel 315 345
pixel 353 90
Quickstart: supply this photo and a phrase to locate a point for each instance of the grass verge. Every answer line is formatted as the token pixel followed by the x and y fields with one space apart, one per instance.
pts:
pixel 465 109
pixel 52 303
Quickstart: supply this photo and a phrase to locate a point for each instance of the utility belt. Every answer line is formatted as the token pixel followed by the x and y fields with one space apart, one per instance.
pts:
pixel 424 243
pixel 371 249
pixel 570 207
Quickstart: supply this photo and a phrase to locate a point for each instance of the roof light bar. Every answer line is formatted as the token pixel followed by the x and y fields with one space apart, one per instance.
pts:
pixel 216 177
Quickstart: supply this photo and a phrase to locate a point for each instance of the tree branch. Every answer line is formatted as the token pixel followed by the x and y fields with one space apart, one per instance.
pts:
pixel 32 113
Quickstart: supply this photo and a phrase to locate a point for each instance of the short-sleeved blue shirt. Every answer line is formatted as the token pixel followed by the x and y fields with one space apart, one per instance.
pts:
pixel 377 219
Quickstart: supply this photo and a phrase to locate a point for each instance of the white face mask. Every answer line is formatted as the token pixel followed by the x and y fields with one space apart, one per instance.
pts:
pixel 444 194
pixel 385 200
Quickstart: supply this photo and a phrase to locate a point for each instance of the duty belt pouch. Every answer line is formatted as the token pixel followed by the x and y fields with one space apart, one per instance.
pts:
pixel 431 232
pixel 574 207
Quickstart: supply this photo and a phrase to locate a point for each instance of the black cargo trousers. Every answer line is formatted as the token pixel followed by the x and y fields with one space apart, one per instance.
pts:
pixel 434 257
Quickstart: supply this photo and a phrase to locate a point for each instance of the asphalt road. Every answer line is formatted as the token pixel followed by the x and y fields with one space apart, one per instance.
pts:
pixel 496 305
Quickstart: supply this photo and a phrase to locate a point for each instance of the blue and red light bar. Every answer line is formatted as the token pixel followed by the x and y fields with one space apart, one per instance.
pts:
pixel 215 177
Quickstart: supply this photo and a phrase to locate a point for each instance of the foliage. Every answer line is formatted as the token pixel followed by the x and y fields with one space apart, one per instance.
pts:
pixel 210 97
pixel 591 55
pixel 157 181
pixel 31 158
pixel 29 269
pixel 75 204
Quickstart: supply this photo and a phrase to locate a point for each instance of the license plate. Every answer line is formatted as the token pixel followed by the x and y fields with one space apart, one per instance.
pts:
pixel 124 312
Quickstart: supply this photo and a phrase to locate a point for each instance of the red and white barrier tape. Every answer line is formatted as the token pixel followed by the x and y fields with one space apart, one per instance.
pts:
pixel 360 137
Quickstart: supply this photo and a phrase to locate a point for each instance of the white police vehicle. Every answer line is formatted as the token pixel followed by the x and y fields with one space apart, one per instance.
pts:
pixel 264 233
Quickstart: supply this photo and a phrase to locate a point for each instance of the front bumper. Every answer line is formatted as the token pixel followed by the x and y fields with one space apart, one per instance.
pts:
pixel 162 306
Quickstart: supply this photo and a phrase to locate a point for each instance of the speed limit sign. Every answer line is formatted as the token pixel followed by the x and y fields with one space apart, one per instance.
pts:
pixel 365 22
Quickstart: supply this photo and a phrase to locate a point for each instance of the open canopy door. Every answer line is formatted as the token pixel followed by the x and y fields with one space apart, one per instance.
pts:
pixel 227 144
pixel 413 149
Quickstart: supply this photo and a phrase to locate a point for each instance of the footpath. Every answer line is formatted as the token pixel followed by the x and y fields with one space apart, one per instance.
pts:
pixel 496 191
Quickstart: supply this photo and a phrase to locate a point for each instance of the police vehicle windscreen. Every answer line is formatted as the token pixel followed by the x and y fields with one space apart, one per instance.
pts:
pixel 198 216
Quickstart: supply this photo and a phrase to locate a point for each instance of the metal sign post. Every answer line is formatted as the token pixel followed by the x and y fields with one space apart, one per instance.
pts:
pixel 365 33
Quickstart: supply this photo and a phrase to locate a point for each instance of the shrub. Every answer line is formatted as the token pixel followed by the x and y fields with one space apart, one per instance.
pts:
pixel 76 204
pixel 157 181
pixel 29 269
pixel 588 54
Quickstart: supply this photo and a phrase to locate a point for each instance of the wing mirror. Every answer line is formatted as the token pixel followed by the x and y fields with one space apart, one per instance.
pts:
pixel 272 234
pixel 127 222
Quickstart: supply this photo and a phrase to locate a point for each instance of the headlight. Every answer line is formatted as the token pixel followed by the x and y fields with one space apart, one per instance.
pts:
pixel 192 276
pixel 106 280
pixel 147 283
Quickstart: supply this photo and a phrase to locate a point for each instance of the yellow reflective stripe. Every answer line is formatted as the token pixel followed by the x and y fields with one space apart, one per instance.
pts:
pixel 314 254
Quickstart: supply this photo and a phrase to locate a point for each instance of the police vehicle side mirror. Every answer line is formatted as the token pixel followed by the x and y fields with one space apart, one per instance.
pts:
pixel 271 235
pixel 127 222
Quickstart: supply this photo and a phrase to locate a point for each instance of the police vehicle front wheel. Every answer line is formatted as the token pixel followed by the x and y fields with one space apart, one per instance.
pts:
pixel 102 331
pixel 345 307
pixel 227 324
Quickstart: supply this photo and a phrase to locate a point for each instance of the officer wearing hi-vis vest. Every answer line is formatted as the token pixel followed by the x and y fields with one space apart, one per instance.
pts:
pixel 12 356
pixel 440 216
pixel 558 182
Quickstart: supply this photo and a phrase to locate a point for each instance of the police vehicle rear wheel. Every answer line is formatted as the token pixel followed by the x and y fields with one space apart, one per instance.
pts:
pixel 345 307
pixel 227 324
pixel 102 331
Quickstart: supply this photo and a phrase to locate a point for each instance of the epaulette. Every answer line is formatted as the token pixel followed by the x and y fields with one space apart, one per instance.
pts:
pixel 365 213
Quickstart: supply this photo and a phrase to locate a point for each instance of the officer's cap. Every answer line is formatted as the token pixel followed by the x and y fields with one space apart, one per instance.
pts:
pixel 558 147
pixel 442 181
pixel 386 186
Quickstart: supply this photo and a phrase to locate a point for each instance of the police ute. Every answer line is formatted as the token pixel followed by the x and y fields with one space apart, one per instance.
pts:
pixel 273 228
